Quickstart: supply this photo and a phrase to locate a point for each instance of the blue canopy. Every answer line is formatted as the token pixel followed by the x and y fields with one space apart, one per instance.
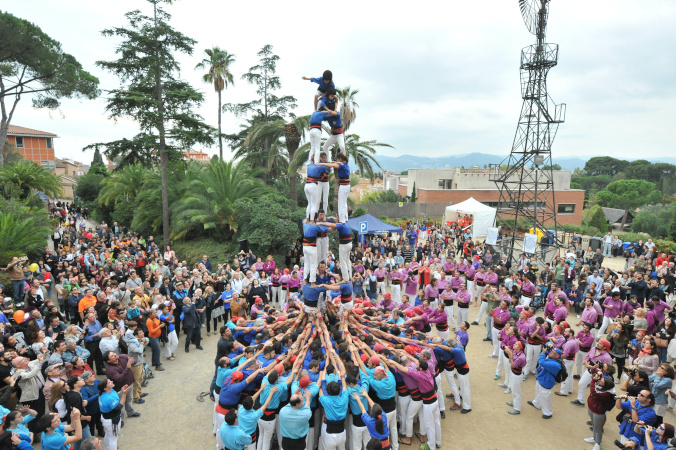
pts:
pixel 374 225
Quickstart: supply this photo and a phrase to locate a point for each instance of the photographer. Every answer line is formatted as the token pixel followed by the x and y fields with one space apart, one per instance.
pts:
pixel 601 400
pixel 636 409
pixel 655 438
pixel 549 366
pixel 598 353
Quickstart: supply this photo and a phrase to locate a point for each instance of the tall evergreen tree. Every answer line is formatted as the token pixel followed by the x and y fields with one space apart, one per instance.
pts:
pixel 98 159
pixel 152 95
pixel 32 63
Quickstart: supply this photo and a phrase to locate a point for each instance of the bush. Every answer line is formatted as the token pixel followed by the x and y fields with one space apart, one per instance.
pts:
pixel 219 252
pixel 634 237
pixel 359 212
pixel 598 220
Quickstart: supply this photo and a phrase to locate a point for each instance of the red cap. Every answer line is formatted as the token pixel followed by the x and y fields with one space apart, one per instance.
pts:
pixel 409 313
pixel 286 271
pixel 367 304
pixel 281 319
pixel 364 357
pixel 258 300
pixel 387 295
pixel 411 350
pixel 279 368
pixel 358 310
pixel 520 344
pixel 605 343
pixel 418 310
pixel 374 360
pixel 304 381
pixel 378 347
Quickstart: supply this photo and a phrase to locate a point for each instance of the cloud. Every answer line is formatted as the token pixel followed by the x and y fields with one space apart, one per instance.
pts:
pixel 436 78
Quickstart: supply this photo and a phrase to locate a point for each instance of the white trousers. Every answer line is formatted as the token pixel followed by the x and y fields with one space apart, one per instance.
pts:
pixel 579 358
pixel 392 424
pixel 359 437
pixel 443 334
pixel 266 429
pixel 604 327
pixel 310 262
pixel 333 441
pixel 463 314
pixel 172 344
pixel 482 310
pixel 220 418
pixel 315 144
pixel 322 249
pixel 450 316
pixel 525 301
pixel 452 384
pixel 567 386
pixel 502 365
pixel 516 390
pixel 476 292
pixel 323 196
pixel 339 138
pixel 344 251
pixel 402 408
pixel 414 409
pixel 470 288
pixel 276 296
pixel 312 196
pixel 396 293
pixel 463 381
pixel 440 395
pixel 110 440
pixel 343 193
pixel 585 381
pixel 496 341
pixel 532 355
pixel 380 288
pixel 432 424
pixel 543 399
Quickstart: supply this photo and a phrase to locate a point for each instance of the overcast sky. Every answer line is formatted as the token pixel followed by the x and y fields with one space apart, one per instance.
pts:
pixel 439 78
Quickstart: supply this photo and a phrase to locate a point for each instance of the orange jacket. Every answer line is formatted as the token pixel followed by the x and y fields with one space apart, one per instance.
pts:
pixel 154 329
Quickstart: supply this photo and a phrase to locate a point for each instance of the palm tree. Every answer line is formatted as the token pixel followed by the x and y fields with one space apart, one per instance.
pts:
pixel 208 201
pixel 348 106
pixel 123 186
pixel 281 134
pixel 26 176
pixel 21 236
pixel 218 65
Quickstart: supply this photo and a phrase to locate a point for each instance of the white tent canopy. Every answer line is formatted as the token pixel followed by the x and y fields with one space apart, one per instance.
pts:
pixel 484 216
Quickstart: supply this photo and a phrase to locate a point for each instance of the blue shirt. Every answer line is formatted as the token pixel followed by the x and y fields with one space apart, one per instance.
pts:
pixel 248 419
pixel 385 388
pixel 354 406
pixel 313 388
pixel 322 86
pixel 370 423
pixel 54 441
pixel 335 406
pixel 108 401
pixel 318 116
pixel 170 326
pixel 547 370
pixel 227 295
pixel 326 102
pixel 91 394
pixel 222 373
pixel 311 295
pixel 92 330
pixel 645 414
pixel 343 170
pixel 335 122
pixel 294 423
pixel 234 438
pixel 231 392
pixel 314 171
pixel 276 397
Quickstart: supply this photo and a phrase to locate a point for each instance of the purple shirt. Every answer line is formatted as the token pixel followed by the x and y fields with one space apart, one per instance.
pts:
pixel 491 278
pixel 660 306
pixel 603 357
pixel 522 326
pixel 431 292
pixel 518 360
pixel 585 340
pixel 464 297
pixel 560 314
pixel 448 268
pixel 424 378
pixel 570 348
pixel 456 282
pixel 590 315
pixel 501 316
pixel 616 307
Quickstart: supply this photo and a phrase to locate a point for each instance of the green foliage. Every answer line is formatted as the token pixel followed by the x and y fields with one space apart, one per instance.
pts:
pixel 32 63
pixel 383 218
pixel 387 196
pixel 98 159
pixel 10 154
pixel 23 177
pixel 672 229
pixel 404 172
pixel 24 229
pixel 597 219
pixel 87 193
pixel 414 195
pixel 271 223
pixel 268 106
pixel 654 220
pixel 575 185
pixel 633 237
pixel 359 212
pixel 220 251
pixel 208 203
pixel 605 165
pixel 628 194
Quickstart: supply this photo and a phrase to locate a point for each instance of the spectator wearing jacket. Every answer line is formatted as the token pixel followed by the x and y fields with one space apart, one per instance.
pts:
pixel 601 400
pixel 119 371
pixel 549 365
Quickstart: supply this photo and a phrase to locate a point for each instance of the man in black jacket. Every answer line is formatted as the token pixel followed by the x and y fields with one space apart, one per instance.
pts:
pixel 191 325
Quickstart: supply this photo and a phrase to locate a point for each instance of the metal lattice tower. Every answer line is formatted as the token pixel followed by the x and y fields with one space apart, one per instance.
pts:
pixel 525 179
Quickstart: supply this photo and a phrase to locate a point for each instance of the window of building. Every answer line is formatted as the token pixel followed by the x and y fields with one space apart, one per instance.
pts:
pixel 50 143
pixel 19 142
pixel 566 208
pixel 51 165
pixel 445 184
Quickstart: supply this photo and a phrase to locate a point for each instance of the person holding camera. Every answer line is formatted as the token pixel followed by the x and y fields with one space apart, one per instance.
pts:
pixel 636 410
pixel 655 438
pixel 549 365
pixel 598 355
pixel 601 400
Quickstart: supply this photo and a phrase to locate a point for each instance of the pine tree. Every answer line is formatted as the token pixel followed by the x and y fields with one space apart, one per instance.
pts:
pixel 98 159
pixel 414 195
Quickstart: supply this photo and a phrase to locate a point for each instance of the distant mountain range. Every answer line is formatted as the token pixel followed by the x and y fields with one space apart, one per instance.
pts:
pixel 405 162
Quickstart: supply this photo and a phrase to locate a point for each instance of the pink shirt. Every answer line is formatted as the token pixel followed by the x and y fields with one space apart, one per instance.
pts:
pixel 590 315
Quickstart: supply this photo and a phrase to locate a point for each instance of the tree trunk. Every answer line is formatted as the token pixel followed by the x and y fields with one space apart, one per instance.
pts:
pixel 220 139
pixel 293 182
pixel 4 129
pixel 624 219
pixel 164 157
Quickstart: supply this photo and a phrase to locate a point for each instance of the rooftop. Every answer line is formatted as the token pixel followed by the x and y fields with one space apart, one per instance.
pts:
pixel 15 130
